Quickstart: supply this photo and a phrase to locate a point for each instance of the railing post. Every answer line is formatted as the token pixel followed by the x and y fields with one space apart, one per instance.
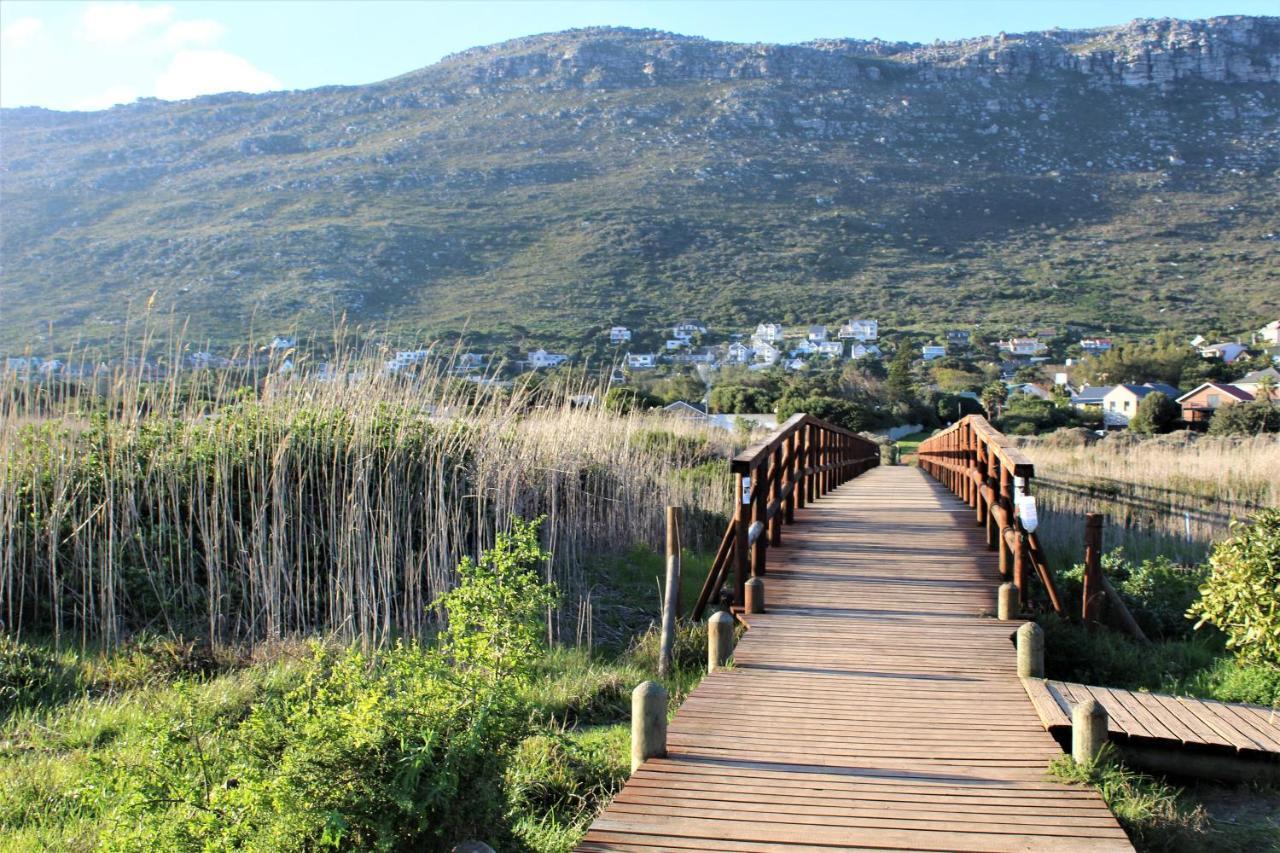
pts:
pixel 671 597
pixel 759 514
pixel 775 494
pixel 792 445
pixel 1006 504
pixel 1093 588
pixel 812 461
pixel 1019 565
pixel 801 460
pixel 742 520
pixel 980 508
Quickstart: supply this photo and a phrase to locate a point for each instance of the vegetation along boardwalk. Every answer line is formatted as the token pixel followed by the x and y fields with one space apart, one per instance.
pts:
pixel 875 704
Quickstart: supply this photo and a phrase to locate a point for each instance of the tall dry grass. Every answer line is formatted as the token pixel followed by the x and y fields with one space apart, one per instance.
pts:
pixel 254 504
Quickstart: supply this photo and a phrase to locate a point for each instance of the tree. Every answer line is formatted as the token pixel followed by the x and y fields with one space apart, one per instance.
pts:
pixel 1240 596
pixel 994 395
pixel 845 413
pixel 1156 414
pixel 737 399
pixel 1246 419
pixel 622 400
pixel 900 386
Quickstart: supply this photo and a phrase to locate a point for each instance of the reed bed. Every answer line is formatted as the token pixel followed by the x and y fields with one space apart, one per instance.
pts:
pixel 265 502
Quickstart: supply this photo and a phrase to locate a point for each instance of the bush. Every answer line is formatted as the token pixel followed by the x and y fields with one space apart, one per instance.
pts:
pixel 1242 594
pixel 845 413
pixel 1156 591
pixel 1246 419
pixel 1156 414
pixel 31 676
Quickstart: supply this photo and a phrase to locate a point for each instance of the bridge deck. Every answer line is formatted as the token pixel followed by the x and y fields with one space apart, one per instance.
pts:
pixel 872 707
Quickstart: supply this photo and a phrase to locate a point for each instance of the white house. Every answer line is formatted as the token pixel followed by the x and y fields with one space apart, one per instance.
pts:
pixel 688 329
pixel 767 353
pixel 1093 346
pixel 281 343
pixel 805 347
pixel 468 362
pixel 769 333
pixel 619 335
pixel 831 349
pixel 739 353
pixel 542 358
pixel 860 330
pixel 1031 389
pixel 860 350
pixel 641 360
pixel 676 343
pixel 932 351
pixel 817 334
pixel 796 364
pixel 1022 346
pixel 1269 334
pixel 1228 351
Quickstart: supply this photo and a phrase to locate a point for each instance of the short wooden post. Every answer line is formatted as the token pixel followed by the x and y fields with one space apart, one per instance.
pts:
pixel 775 495
pixel 802 460
pixel 719 640
pixel 1018 551
pixel 1088 730
pixel 811 459
pixel 671 599
pixel 755 595
pixel 789 502
pixel 648 723
pixel 1006 602
pixel 1031 651
pixel 760 513
pixel 1091 606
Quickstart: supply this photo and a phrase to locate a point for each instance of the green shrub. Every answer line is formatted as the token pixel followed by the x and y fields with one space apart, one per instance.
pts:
pixel 31 676
pixel 1242 595
pixel 1156 414
pixel 1157 591
pixel 1246 419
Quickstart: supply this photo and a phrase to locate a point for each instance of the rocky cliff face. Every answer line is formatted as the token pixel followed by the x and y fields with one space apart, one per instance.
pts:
pixel 553 185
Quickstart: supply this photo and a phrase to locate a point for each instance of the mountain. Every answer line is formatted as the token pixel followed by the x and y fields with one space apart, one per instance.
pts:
pixel 545 188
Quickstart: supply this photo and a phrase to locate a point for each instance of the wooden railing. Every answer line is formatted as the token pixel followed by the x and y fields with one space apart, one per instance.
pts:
pixel 979 464
pixel 803 460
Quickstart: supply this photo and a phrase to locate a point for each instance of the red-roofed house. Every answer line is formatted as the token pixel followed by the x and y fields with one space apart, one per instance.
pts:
pixel 1199 405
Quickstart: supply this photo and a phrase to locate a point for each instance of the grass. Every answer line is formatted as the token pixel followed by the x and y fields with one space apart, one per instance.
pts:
pixel 1161 816
pixel 908 445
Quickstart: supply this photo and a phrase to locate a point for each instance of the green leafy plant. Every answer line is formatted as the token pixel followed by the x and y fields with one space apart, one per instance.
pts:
pixel 1242 595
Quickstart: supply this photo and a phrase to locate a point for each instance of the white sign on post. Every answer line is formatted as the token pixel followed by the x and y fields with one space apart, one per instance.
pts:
pixel 746 490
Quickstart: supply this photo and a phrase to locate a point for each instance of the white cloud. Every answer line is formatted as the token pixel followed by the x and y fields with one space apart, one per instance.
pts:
pixel 204 31
pixel 112 96
pixel 119 23
pixel 204 72
pixel 22 32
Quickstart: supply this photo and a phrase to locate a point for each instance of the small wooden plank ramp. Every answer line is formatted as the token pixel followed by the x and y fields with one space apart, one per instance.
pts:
pixel 872 707
pixel 1156 719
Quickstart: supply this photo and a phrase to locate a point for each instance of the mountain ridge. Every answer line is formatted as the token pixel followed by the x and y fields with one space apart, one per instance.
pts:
pixel 549 186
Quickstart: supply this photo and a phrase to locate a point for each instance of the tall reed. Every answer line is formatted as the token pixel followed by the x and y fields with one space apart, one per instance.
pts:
pixel 262 501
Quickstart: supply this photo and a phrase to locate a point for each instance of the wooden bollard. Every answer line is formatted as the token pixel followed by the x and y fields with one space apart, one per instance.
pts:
pixel 1088 730
pixel 671 597
pixel 1031 651
pixel 719 640
pixel 648 723
pixel 1093 593
pixel 1006 602
pixel 755 595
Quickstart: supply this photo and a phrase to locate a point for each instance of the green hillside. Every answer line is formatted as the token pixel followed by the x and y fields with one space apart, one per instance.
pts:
pixel 548 187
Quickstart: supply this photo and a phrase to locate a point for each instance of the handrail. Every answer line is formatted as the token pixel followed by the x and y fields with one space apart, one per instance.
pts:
pixel 803 459
pixel 980 465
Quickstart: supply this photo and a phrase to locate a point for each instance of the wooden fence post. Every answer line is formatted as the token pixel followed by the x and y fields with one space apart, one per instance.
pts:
pixel 760 515
pixel 648 723
pixel 775 495
pixel 741 550
pixel 1091 606
pixel 671 600
pixel 802 461
pixel 789 502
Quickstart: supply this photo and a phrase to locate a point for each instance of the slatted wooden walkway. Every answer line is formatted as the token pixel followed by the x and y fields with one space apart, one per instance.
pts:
pixel 872 707
pixel 1159 720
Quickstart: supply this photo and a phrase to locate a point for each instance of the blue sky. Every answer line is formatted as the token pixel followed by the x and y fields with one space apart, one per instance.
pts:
pixel 89 55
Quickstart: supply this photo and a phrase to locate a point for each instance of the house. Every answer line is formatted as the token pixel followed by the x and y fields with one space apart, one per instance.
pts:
pixel 694 411
pixel 1031 389
pixel 796 364
pixel 1199 404
pixel 1228 351
pixel 642 360
pixel 279 343
pixel 767 353
pixel 1198 341
pixel 739 353
pixel 542 358
pixel 468 362
pixel 1094 346
pixel 817 334
pixel 1120 404
pixel 860 330
pixel 831 349
pixel 619 335
pixel 686 330
pixel 1269 334
pixel 676 343
pixel 860 350
pixel 932 351
pixel 805 347
pixel 1090 396
pixel 958 337
pixel 1251 382
pixel 1022 346
pixel 770 333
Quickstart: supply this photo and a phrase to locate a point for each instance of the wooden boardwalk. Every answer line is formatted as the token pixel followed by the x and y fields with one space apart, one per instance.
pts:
pixel 872 707
pixel 1160 720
